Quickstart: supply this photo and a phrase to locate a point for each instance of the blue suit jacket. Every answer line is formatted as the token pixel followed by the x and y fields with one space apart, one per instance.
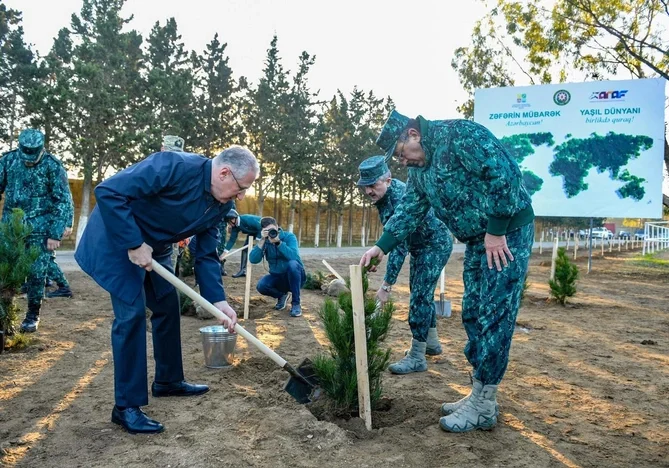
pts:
pixel 160 200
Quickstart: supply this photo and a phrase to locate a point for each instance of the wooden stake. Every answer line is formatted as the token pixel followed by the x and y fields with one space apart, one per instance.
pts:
pixel 575 247
pixel 541 243
pixel 364 399
pixel 249 271
pixel 555 252
pixel 333 271
pixel 602 246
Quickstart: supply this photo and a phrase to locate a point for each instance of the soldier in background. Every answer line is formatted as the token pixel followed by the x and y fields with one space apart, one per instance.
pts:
pixel 54 273
pixel 36 182
pixel 429 246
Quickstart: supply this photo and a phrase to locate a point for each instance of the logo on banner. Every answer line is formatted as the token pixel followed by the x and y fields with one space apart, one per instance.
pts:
pixel 521 101
pixel 608 95
pixel 562 97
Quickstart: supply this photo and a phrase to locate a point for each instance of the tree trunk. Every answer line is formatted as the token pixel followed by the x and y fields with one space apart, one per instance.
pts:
pixel 275 212
pixel 85 201
pixel 340 227
pixel 293 195
pixel 280 218
pixel 329 228
pixel 665 199
pixel 317 232
pixel 369 223
pixel 362 225
pixel 12 122
pixel 299 219
pixel 350 222
pixel 261 192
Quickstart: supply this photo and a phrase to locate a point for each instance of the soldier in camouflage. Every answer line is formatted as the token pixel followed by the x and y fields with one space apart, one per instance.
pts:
pixel 53 270
pixel 430 246
pixel 246 224
pixel 36 182
pixel 459 169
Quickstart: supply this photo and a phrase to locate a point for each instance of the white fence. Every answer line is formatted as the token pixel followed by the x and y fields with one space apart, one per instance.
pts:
pixel 656 237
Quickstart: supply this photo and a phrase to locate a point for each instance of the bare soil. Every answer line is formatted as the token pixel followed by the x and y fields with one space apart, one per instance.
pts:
pixel 588 386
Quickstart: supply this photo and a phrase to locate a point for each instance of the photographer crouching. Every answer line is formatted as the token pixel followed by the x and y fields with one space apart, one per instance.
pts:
pixel 286 272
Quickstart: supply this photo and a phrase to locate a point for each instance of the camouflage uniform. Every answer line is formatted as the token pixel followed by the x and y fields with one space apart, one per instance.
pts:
pixel 36 182
pixel 474 187
pixel 430 246
pixel 55 273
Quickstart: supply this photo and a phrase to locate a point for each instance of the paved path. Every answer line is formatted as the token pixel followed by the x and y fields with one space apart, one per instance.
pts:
pixel 65 258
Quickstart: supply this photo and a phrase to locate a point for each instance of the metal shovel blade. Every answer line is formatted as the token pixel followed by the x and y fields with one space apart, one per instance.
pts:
pixel 443 307
pixel 303 383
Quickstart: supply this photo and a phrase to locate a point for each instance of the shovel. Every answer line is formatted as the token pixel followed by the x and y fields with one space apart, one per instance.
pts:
pixel 302 385
pixel 443 307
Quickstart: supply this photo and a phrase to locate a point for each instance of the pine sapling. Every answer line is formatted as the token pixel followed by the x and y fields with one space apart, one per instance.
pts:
pixel 336 370
pixel 566 274
pixel 15 264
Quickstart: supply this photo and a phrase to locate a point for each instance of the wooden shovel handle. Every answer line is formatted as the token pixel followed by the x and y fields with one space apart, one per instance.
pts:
pixel 213 310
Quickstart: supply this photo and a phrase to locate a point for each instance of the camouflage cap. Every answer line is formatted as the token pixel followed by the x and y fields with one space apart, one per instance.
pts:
pixel 31 144
pixel 371 169
pixel 173 143
pixel 390 132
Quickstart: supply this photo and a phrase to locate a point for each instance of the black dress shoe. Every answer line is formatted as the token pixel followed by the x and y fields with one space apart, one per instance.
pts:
pixel 182 388
pixel 133 420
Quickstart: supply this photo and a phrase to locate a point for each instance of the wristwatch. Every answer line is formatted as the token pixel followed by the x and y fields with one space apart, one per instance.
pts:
pixel 386 288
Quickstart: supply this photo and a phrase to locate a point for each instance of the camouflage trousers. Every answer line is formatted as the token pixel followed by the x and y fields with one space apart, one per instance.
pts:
pixel 424 269
pixel 490 304
pixel 55 273
pixel 38 272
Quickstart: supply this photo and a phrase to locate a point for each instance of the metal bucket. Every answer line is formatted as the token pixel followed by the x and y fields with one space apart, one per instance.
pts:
pixel 218 346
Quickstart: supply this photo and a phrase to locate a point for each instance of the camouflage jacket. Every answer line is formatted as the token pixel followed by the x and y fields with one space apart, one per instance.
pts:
pixel 249 225
pixel 430 234
pixel 222 234
pixel 41 191
pixel 469 179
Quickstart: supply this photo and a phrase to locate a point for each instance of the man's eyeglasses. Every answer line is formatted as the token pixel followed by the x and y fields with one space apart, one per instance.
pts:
pixel 241 189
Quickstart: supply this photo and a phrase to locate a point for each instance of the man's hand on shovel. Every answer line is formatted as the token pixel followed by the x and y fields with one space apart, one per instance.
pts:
pixel 224 307
pixel 141 256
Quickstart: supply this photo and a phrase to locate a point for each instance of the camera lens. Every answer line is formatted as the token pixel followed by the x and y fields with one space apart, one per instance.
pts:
pixel 273 233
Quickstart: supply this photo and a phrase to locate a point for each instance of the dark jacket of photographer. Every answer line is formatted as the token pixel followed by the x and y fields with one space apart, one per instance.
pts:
pixel 278 256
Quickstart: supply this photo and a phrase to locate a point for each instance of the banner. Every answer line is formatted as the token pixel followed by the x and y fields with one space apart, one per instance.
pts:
pixel 591 149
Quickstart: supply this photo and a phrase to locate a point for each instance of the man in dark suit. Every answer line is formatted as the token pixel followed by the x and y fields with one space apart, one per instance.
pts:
pixel 140 213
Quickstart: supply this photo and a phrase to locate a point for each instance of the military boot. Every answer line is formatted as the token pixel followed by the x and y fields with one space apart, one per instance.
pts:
pixel 479 411
pixel 30 323
pixel 433 344
pixel 242 267
pixel 223 273
pixel 448 408
pixel 62 291
pixel 414 361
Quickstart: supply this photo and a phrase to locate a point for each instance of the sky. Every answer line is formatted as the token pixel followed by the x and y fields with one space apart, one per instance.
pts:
pixel 397 48
pixel 401 49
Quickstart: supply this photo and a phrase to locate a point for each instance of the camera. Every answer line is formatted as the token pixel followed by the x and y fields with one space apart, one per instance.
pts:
pixel 272 233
